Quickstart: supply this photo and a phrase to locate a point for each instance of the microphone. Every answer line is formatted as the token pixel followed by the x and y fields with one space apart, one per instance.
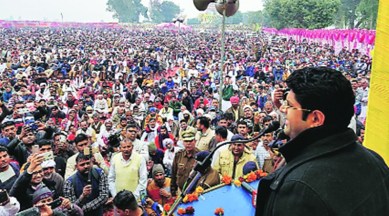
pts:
pixel 275 143
pixel 273 126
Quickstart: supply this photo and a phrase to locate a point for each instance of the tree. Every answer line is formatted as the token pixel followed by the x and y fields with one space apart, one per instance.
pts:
pixel 234 19
pixel 348 10
pixel 309 14
pixel 193 21
pixel 127 10
pixel 253 17
pixel 164 11
pixel 367 12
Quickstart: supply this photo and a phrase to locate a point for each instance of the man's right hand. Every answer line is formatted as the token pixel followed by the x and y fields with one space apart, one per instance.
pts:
pixel 35 161
pixel 87 190
pixel 278 95
pixel 24 131
pixel 45 210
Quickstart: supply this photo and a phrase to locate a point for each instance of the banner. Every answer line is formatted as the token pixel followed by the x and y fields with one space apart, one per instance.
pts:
pixel 352 38
pixel 42 24
pixel 377 123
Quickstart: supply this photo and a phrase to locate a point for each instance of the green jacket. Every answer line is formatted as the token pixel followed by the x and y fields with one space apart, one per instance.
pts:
pixel 176 106
pixel 227 93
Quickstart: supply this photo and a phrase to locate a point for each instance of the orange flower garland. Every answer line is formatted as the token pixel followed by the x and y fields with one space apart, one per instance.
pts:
pixel 199 190
pixel 188 210
pixel 237 183
pixel 261 173
pixel 251 177
pixel 181 211
pixel 219 211
pixel 193 196
pixel 227 179
pixel 166 208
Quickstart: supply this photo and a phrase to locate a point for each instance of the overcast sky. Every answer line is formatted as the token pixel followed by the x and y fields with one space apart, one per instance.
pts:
pixel 85 10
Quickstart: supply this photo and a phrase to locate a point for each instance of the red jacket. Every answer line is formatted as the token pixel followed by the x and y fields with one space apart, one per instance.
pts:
pixel 160 145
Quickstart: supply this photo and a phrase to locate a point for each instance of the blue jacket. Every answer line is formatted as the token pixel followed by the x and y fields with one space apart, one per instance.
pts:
pixel 7 96
pixel 170 84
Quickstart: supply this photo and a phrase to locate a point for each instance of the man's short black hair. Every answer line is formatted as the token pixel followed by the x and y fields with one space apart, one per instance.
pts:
pixel 80 137
pixel 3 149
pixel 242 122
pixel 223 117
pixel 7 124
pixel 267 119
pixel 125 200
pixel 82 157
pixel 221 131
pixel 203 121
pixel 324 89
pixel 229 116
pixel 44 142
pixel 131 125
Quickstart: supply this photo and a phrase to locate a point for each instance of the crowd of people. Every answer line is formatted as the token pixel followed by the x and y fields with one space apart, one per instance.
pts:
pixel 96 118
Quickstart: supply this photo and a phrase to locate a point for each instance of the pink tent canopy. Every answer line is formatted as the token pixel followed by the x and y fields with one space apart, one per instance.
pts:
pixel 353 37
pixel 173 27
pixel 21 24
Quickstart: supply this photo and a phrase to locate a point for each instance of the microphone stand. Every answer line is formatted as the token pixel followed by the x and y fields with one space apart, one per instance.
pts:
pixel 203 165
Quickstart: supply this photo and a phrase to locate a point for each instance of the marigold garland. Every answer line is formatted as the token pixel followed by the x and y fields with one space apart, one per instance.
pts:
pixel 199 190
pixel 253 176
pixel 219 211
pixel 237 183
pixel 227 179
pixel 166 207
pixel 193 196
pixel 188 210
pixel 181 211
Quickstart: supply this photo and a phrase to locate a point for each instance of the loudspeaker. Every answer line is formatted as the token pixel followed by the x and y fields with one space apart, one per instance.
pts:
pixel 202 5
pixel 231 7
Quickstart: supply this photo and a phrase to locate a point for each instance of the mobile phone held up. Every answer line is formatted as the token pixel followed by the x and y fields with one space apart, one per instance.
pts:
pixel 56 203
pixel 3 196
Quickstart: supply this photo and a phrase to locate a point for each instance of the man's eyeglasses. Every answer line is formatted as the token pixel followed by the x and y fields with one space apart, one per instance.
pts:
pixel 285 106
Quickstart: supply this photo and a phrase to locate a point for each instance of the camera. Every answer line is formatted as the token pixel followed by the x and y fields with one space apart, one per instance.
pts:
pixel 285 92
pixel 3 197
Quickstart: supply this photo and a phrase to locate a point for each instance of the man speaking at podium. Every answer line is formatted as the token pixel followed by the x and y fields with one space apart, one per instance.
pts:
pixel 327 171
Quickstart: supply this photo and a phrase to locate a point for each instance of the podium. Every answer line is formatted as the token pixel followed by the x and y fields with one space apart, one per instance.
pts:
pixel 234 200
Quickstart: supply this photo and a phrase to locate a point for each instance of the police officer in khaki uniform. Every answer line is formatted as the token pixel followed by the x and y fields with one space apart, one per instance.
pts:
pixel 183 163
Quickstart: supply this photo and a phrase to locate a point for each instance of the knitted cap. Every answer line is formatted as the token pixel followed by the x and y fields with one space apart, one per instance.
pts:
pixel 157 168
pixel 40 194
pixel 152 147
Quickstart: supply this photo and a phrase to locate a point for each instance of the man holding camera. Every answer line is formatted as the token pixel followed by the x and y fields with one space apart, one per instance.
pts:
pixel 21 146
pixel 29 181
pixel 44 204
